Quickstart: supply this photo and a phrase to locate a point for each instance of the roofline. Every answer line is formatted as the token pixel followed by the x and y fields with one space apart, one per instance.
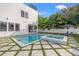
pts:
pixel 30 7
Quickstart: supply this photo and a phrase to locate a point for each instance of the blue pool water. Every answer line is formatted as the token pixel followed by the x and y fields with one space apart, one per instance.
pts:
pixel 25 39
pixel 29 39
pixel 56 37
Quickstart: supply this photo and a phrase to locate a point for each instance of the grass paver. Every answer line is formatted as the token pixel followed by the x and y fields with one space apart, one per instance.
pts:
pixel 63 52
pixel 30 52
pixel 42 47
pixel 23 53
pixel 17 52
pixel 6 51
pixel 37 53
pixel 54 49
pixel 75 52
pixel 68 51
pixel 50 53
pixel 9 53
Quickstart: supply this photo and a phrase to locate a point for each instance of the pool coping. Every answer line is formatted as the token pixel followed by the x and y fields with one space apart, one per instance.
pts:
pixel 21 44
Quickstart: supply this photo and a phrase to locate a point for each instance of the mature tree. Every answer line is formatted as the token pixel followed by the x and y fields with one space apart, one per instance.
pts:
pixel 71 14
pixel 42 22
pixel 66 16
pixel 57 20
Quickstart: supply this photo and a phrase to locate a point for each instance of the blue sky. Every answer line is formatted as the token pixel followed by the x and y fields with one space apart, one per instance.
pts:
pixel 46 9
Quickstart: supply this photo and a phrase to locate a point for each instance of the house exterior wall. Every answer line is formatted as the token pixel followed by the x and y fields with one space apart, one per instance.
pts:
pixel 12 11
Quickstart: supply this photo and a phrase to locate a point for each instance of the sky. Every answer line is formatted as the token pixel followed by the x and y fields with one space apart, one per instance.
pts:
pixel 47 9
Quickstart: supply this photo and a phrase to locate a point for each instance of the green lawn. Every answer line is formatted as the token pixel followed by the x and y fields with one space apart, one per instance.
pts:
pixel 76 37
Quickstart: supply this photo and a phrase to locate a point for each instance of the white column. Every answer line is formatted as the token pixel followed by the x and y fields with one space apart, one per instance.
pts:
pixel 7 26
pixel 14 27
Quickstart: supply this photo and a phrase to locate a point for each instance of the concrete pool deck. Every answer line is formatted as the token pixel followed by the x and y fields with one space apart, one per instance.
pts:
pixel 40 48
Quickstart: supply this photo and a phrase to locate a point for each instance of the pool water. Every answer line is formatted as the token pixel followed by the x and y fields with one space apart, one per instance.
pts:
pixel 25 39
pixel 56 37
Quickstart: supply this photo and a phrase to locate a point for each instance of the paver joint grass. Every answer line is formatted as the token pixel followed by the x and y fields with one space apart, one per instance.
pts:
pixel 76 37
pixel 42 48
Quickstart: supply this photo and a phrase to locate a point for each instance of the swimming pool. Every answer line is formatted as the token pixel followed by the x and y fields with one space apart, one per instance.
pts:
pixel 24 40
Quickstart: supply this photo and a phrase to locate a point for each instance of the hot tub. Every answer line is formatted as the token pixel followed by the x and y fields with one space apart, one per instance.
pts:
pixel 56 38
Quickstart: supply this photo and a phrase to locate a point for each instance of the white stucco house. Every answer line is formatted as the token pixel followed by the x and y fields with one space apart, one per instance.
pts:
pixel 17 19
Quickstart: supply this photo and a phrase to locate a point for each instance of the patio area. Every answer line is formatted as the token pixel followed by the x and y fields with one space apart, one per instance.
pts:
pixel 40 48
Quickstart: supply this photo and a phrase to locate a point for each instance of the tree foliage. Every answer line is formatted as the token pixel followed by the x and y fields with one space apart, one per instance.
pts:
pixel 58 20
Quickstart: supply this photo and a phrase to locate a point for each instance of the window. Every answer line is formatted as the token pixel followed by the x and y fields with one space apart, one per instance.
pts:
pixel 17 27
pixel 3 26
pixel 26 15
pixel 22 13
pixel 11 26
